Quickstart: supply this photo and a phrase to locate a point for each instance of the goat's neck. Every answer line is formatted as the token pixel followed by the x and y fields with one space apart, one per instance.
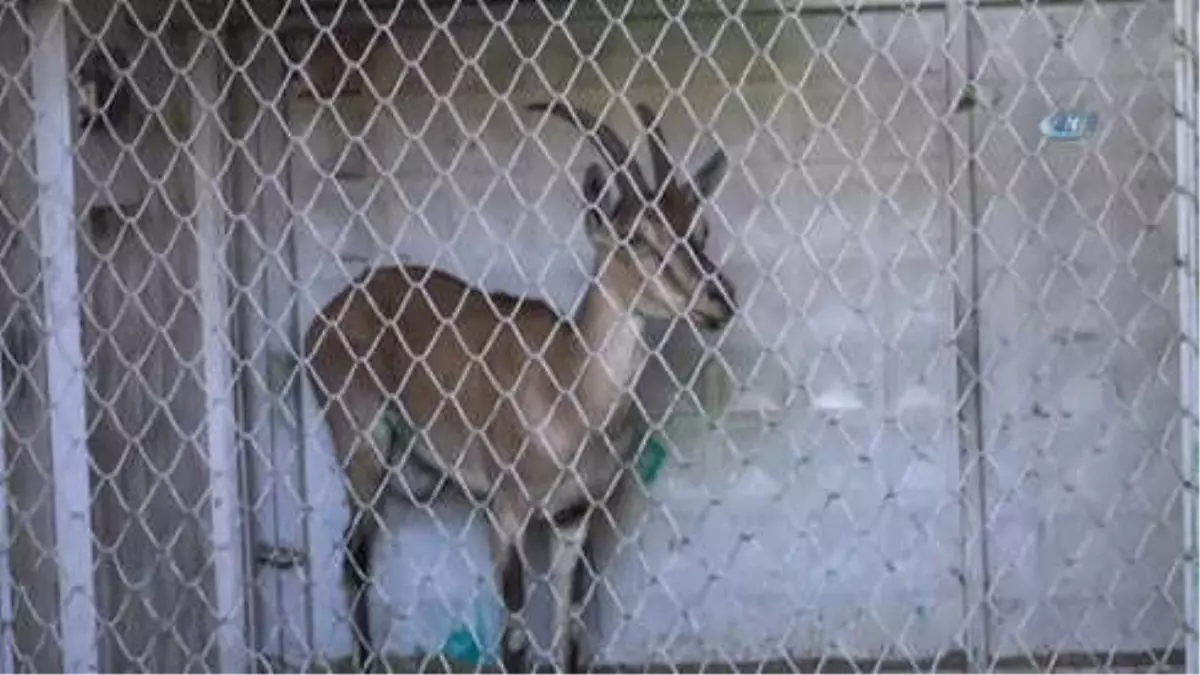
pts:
pixel 610 335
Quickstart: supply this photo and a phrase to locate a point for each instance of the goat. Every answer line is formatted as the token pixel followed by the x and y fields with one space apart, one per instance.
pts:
pixel 515 404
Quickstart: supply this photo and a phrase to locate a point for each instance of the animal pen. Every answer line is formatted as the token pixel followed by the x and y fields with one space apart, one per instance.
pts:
pixel 952 424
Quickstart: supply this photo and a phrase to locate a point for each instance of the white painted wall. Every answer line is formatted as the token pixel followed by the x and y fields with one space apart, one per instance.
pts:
pixel 824 516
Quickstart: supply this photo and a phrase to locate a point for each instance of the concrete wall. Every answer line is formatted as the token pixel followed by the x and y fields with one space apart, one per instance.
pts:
pixel 831 512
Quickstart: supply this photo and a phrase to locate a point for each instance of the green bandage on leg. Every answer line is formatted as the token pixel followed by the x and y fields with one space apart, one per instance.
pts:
pixel 393 434
pixel 651 461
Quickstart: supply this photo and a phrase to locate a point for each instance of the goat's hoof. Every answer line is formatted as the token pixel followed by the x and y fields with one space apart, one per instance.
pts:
pixel 514 649
pixel 515 660
pixel 574 663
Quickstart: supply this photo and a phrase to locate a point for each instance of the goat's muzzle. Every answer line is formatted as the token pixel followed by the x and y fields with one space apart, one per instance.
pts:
pixel 718 305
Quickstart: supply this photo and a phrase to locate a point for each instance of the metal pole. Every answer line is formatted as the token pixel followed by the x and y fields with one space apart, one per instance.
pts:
pixel 218 377
pixel 64 352
pixel 1186 223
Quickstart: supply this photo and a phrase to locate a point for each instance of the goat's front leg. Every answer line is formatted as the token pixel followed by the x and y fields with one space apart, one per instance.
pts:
pixel 506 536
pixel 566 554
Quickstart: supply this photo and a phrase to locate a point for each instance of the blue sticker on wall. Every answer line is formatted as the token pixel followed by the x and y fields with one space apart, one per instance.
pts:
pixel 1069 125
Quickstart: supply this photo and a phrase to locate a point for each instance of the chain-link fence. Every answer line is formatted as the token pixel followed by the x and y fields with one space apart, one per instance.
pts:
pixel 811 336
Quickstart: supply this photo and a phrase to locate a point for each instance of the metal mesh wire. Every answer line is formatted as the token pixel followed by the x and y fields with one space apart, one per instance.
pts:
pixel 951 425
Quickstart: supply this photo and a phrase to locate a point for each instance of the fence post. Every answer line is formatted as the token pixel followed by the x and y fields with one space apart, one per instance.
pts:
pixel 218 378
pixel 7 638
pixel 64 351
pixel 1188 231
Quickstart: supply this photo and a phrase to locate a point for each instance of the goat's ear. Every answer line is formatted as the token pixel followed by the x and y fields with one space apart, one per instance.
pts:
pixel 593 186
pixel 710 175
pixel 599 213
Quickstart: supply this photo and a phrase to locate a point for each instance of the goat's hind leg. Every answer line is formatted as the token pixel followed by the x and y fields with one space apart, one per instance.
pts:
pixel 568 539
pixel 363 452
pixel 505 537
pixel 360 538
